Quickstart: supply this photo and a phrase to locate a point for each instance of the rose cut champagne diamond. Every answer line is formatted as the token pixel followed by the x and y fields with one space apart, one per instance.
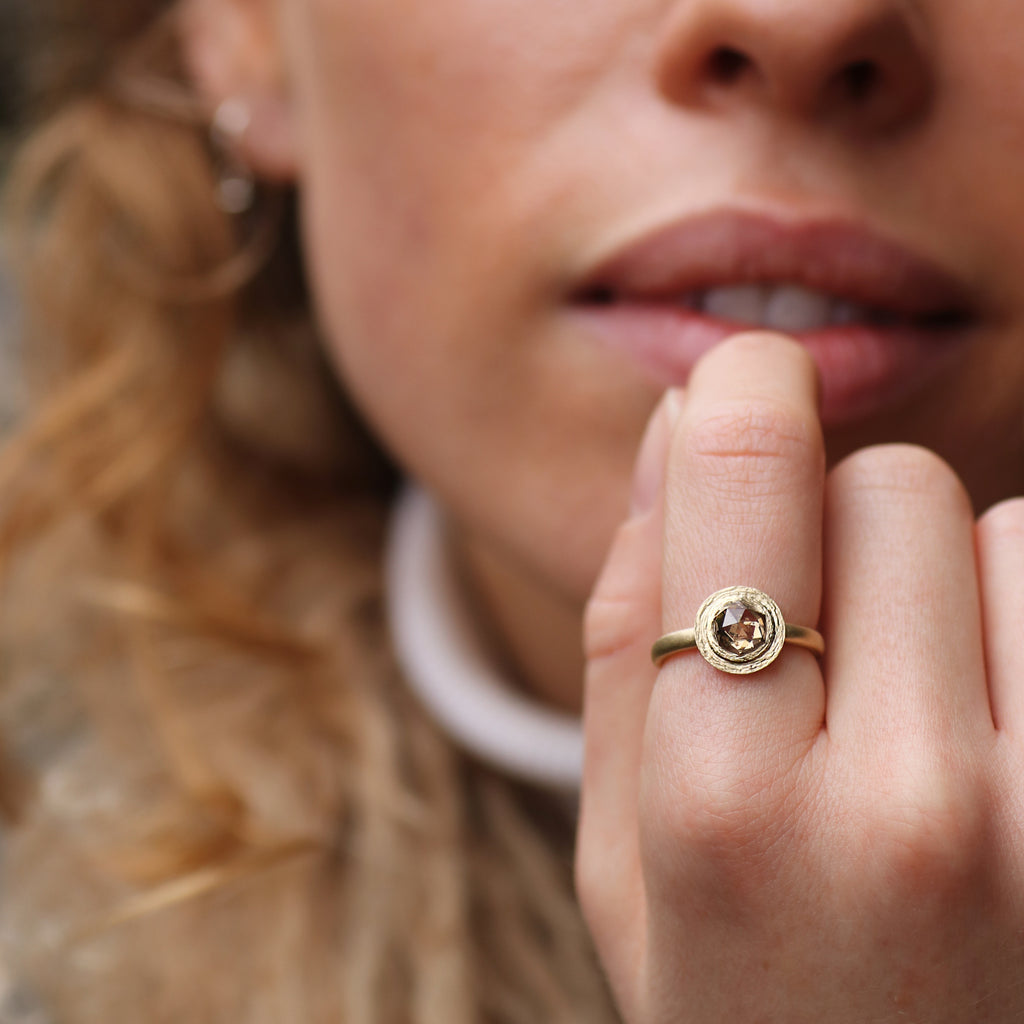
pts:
pixel 740 629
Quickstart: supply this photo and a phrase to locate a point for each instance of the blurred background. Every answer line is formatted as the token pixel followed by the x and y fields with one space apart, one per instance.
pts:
pixel 13 45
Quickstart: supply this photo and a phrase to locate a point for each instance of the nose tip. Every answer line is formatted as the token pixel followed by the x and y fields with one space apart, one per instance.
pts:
pixel 859 62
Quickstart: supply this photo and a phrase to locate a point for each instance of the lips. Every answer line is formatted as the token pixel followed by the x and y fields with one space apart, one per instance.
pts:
pixel 879 320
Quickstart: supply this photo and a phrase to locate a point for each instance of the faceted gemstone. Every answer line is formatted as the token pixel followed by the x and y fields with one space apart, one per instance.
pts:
pixel 740 629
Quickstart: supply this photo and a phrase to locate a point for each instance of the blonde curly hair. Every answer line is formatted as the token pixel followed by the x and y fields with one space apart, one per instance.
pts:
pixel 220 801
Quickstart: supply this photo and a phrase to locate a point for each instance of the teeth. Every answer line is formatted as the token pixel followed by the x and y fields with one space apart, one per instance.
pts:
pixel 743 303
pixel 849 313
pixel 797 309
pixel 788 308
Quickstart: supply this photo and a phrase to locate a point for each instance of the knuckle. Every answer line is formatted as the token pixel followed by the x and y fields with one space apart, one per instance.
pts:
pixel 934 833
pixel 906 470
pixel 731 854
pixel 723 818
pixel 614 616
pixel 613 623
pixel 734 814
pixel 753 444
pixel 759 428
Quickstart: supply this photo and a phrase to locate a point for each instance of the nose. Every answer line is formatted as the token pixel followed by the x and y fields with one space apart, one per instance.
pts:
pixel 861 63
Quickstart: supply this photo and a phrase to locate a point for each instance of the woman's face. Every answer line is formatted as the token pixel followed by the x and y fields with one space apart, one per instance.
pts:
pixel 526 218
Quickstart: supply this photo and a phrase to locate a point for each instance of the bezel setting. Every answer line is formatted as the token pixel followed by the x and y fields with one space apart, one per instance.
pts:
pixel 712 649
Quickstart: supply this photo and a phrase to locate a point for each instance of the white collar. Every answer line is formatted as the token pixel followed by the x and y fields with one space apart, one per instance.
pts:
pixel 446 663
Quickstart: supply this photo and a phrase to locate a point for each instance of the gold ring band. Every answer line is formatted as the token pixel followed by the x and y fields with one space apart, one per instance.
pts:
pixel 685 640
pixel 738 630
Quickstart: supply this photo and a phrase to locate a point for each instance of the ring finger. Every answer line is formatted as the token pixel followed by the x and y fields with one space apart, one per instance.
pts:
pixel 743 506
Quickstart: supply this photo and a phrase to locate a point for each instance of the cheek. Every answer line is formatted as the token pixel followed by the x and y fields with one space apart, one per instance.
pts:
pixel 425 130
pixel 427 174
pixel 393 193
pixel 430 184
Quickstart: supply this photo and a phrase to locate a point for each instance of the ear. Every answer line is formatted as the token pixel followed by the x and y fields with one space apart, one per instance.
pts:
pixel 233 51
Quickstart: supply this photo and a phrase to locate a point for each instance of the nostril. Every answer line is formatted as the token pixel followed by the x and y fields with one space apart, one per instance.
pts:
pixel 857 65
pixel 860 79
pixel 726 65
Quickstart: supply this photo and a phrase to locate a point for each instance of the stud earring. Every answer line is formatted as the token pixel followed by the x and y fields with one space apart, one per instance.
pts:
pixel 236 185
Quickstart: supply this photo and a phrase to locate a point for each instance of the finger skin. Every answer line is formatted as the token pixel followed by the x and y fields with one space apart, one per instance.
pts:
pixel 1000 546
pixel 743 506
pixel 905 664
pixel 762 868
pixel 622 615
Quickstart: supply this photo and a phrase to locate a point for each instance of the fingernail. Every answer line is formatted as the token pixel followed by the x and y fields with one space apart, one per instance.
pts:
pixel 650 463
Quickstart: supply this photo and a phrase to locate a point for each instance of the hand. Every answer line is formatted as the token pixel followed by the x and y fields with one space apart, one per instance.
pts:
pixel 838 840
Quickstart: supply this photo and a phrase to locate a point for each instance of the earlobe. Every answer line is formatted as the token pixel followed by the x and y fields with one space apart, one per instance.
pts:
pixel 268 143
pixel 232 51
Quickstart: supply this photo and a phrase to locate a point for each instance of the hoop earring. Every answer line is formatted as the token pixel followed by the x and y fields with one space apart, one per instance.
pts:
pixel 236 184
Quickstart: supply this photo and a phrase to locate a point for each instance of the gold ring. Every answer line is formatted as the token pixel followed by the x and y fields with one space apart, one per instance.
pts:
pixel 738 630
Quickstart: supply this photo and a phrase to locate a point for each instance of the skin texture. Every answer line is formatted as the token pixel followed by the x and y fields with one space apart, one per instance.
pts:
pixel 461 167
pixel 824 841
pixel 836 840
